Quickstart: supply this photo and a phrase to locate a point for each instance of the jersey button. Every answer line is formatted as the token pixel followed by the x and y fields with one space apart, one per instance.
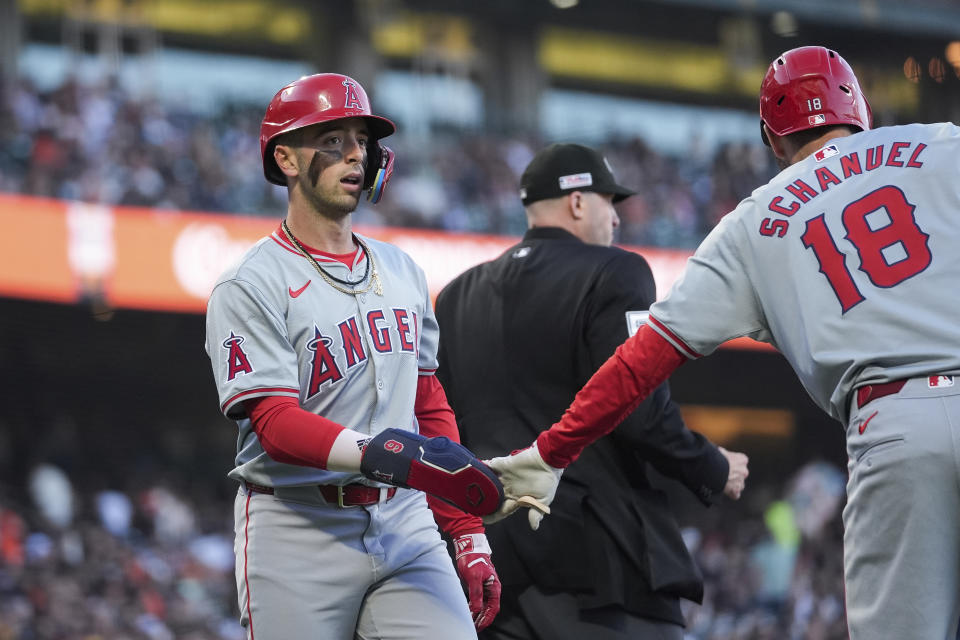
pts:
pixel 379 384
pixel 363 297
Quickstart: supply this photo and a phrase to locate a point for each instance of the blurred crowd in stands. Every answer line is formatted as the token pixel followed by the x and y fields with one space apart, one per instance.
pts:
pixel 154 562
pixel 95 143
pixel 99 565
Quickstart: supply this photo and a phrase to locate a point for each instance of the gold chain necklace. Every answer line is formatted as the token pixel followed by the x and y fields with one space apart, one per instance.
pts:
pixel 333 280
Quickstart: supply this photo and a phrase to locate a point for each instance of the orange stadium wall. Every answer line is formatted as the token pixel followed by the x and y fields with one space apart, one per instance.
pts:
pixel 168 261
pixel 150 259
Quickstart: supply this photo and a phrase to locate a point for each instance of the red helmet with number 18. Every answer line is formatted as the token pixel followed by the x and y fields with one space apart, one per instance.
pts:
pixel 811 87
pixel 324 97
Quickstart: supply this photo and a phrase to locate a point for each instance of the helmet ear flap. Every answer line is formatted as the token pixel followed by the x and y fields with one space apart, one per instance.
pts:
pixel 270 168
pixel 378 170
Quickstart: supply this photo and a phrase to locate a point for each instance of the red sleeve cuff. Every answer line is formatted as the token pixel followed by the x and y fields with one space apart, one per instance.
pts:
pixel 636 368
pixel 290 434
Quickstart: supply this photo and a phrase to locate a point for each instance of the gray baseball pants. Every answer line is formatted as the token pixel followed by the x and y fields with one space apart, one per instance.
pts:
pixel 902 519
pixel 306 570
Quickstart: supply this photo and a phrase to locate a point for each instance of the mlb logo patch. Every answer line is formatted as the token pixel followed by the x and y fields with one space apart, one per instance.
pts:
pixel 935 382
pixel 827 152
pixel 576 180
pixel 817 119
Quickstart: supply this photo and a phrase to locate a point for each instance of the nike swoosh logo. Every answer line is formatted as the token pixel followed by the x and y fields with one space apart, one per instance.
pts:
pixel 294 294
pixel 863 425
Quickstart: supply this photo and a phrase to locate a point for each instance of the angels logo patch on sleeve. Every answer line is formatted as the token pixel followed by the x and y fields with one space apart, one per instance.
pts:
pixel 237 360
pixel 635 320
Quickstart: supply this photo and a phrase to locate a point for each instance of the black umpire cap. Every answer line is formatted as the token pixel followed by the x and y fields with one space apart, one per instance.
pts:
pixel 562 168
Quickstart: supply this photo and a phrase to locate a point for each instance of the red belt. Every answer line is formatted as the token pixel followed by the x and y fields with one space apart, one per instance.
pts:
pixel 352 495
pixel 870 392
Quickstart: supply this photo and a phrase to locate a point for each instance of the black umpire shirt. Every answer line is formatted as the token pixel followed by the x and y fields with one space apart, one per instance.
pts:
pixel 519 337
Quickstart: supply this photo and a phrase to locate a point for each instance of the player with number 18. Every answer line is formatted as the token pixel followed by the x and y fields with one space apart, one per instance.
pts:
pixel 848 263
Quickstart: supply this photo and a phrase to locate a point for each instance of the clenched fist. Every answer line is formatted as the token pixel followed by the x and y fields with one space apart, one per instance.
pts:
pixel 737 477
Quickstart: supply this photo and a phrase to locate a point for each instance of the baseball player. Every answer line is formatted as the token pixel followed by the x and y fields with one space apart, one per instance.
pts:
pixel 323 345
pixel 847 263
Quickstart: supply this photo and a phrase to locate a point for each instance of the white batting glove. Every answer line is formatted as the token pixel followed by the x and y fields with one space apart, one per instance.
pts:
pixel 524 474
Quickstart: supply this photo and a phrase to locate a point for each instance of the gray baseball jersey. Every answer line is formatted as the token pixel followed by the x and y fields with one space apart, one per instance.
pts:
pixel 305 566
pixel 847 262
pixel 275 327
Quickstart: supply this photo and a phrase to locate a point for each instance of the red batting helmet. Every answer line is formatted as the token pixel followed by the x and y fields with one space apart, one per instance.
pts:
pixel 321 98
pixel 811 87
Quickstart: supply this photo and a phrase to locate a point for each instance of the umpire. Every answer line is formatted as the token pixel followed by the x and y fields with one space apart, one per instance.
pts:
pixel 522 334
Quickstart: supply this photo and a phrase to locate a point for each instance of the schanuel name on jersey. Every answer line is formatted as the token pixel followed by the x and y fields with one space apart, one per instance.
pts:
pixel 903 155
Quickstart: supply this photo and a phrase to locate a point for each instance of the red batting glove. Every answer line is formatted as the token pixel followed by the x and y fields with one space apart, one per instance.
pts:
pixel 480 578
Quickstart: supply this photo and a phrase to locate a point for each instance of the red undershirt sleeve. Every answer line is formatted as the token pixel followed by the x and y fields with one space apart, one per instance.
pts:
pixel 636 368
pixel 436 419
pixel 291 434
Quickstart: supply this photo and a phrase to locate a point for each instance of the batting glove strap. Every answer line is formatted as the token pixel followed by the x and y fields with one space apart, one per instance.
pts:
pixel 438 466
pixel 471 543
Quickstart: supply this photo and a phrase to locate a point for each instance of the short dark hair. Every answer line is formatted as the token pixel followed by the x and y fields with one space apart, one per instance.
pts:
pixel 291 138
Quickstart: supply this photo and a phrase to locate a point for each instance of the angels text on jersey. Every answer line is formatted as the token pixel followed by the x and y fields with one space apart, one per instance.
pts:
pixel 335 352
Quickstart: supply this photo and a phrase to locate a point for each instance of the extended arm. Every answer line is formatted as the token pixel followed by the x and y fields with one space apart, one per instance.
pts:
pixel 437 466
pixel 655 431
pixel 637 367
